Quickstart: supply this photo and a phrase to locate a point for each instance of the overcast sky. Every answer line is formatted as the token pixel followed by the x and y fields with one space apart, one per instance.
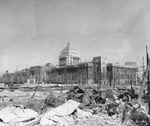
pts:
pixel 33 32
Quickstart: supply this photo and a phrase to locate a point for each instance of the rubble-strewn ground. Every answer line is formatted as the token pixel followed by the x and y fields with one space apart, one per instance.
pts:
pixel 43 99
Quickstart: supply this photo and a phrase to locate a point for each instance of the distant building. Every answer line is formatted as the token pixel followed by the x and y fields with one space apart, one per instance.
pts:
pixel 131 64
pixel 69 56
pixel 20 77
pixel 72 74
pixel 9 78
pixel 118 75
pixel 47 70
pixel 36 74
pixel 39 74
pixel 71 71
pixel 104 62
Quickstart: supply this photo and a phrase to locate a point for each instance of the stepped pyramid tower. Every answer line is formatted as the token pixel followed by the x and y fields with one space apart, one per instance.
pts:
pixel 69 56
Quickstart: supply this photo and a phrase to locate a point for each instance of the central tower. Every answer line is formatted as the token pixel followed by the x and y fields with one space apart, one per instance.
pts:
pixel 69 56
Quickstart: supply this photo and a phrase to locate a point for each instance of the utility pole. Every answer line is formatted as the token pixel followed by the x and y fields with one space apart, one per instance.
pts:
pixel 143 68
pixel 148 78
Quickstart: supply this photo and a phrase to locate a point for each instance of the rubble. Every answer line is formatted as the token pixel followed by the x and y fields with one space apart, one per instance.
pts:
pixel 14 113
pixel 91 105
pixel 80 106
pixel 83 114
pixel 55 114
pixel 140 118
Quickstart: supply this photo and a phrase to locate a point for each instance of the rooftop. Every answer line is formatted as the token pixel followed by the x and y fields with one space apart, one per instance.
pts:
pixel 69 50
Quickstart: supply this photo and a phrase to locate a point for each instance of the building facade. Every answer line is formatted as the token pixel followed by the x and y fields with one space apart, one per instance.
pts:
pixel 72 74
pixel 119 75
pixel 72 71
pixel 37 74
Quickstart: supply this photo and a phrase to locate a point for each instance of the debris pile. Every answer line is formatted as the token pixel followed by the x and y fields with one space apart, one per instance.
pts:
pixel 80 106
pixel 14 114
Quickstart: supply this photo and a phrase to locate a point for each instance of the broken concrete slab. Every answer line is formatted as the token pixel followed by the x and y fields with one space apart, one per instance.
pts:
pixel 82 114
pixel 14 113
pixel 61 111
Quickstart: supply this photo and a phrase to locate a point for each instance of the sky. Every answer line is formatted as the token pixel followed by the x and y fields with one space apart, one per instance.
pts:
pixel 33 32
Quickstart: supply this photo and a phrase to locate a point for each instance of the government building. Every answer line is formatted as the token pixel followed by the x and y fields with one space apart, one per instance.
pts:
pixel 71 70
